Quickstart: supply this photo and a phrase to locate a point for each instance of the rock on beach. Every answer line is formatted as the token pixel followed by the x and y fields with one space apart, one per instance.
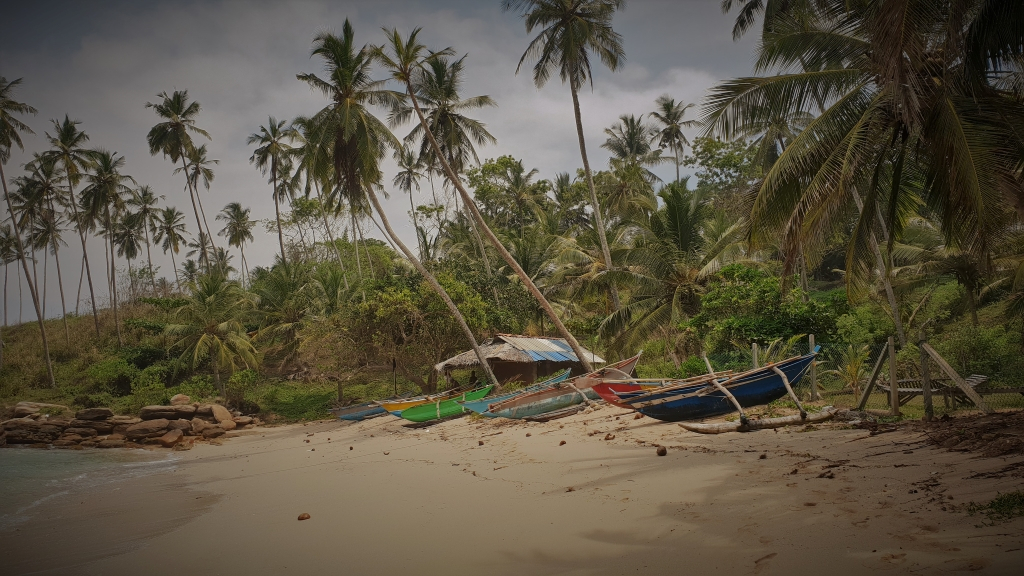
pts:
pixel 147 429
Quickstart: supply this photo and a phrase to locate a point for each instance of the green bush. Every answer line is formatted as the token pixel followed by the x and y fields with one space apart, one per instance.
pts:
pixel 299 401
pixel 112 375
pixel 199 387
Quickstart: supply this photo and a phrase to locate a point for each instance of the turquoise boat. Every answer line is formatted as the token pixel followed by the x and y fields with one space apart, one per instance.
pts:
pixel 562 394
pixel 443 408
pixel 480 406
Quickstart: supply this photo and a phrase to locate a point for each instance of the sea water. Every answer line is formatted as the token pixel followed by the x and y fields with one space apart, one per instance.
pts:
pixel 30 477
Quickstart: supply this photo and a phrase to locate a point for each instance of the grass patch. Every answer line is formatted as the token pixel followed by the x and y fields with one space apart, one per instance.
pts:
pixel 1001 508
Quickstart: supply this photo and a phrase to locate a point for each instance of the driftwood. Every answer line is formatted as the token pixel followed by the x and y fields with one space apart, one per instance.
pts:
pixel 759 424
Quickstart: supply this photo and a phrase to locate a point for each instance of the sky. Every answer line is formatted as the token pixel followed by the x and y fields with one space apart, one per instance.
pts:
pixel 100 62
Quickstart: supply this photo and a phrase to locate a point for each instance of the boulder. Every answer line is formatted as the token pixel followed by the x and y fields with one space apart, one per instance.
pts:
pixel 204 411
pixel 220 413
pixel 171 438
pixel 94 414
pixel 23 409
pixel 213 432
pixel 147 429
pixel 120 429
pixel 29 431
pixel 128 420
pixel 100 427
pixel 180 424
pixel 198 425
pixel 242 420
pixel 228 425
pixel 168 412
pixel 71 437
pixel 88 444
pixel 108 443
pixel 65 443
pixel 115 437
pixel 83 432
pixel 180 399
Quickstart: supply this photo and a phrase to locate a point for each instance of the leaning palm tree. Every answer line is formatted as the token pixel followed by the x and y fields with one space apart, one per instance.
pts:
pixel 570 31
pixel 402 57
pixel 173 139
pixel 169 231
pixel 104 199
pixel 208 327
pixel 144 201
pixel 359 141
pixel 199 167
pixel 273 142
pixel 670 115
pixel 237 229
pixel 10 129
pixel 67 146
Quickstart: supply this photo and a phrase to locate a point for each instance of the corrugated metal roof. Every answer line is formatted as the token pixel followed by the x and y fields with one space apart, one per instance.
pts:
pixel 553 349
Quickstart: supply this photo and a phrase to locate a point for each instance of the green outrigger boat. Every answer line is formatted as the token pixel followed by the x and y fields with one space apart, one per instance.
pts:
pixel 444 408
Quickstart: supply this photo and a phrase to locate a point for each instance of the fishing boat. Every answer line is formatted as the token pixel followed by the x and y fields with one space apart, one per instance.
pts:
pixel 359 411
pixel 562 394
pixel 396 407
pixel 444 408
pixel 480 406
pixel 688 400
pixel 631 387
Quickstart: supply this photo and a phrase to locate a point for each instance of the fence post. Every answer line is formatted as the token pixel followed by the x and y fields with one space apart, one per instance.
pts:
pixel 814 371
pixel 926 381
pixel 753 354
pixel 894 385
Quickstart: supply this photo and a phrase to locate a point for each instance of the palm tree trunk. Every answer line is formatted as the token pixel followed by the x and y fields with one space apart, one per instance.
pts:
pixel 46 262
pixel 207 224
pixel 78 296
pixel 483 252
pixel 216 375
pixel 60 284
pixel 149 259
pixel 886 281
pixel 468 201
pixel 7 274
pixel 355 242
pixel 245 265
pixel 803 274
pixel 436 287
pixel 21 318
pixel 113 276
pixel 330 235
pixel 277 207
pixel 31 287
pixel 415 224
pixel 598 217
pixel 972 306
pixel 131 279
pixel 85 261
pixel 384 234
pixel 195 209
pixel 177 281
pixel 369 259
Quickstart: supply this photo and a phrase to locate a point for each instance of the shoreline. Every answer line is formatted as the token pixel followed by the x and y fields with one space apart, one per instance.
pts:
pixel 385 498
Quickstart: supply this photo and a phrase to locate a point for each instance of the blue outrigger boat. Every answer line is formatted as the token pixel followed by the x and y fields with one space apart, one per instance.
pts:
pixel 705 399
pixel 359 412
pixel 480 406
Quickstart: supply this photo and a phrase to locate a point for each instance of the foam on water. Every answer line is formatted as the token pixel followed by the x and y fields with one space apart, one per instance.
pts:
pixel 31 477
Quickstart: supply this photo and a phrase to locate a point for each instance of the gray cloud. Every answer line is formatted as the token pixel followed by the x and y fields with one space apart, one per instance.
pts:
pixel 101 62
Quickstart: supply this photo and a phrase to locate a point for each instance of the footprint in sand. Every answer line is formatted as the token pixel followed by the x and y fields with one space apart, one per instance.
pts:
pixel 764 562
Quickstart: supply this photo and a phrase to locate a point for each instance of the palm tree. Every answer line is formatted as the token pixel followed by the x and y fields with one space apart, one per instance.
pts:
pixel 570 30
pixel 910 103
pixel 103 199
pixel 169 231
pixel 45 180
pixel 128 237
pixel 173 139
pixel 8 254
pixel 670 115
pixel 208 327
pixel 144 201
pixel 273 140
pixel 631 143
pixel 10 129
pixel 408 177
pixel 401 59
pixel 190 270
pixel 67 147
pixel 237 229
pixel 359 141
pixel 199 167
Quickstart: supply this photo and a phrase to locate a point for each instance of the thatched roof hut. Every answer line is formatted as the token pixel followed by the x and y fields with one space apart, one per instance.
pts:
pixel 521 358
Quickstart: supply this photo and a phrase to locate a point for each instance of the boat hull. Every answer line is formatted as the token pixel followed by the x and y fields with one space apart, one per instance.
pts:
pixel 396 407
pixel 369 412
pixel 480 406
pixel 702 399
pixel 443 408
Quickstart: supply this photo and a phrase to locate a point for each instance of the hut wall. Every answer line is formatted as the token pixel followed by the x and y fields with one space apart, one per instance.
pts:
pixel 514 371
pixel 547 368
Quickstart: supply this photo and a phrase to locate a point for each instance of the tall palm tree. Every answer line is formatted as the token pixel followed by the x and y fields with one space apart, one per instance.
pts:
pixel 128 237
pixel 144 202
pixel 910 104
pixel 273 142
pixel 208 327
pixel 199 167
pixel 173 137
pixel 631 143
pixel 10 129
pixel 237 229
pixel 104 199
pixel 670 115
pixel 401 58
pixel 67 146
pixel 169 231
pixel 45 179
pixel 408 177
pixel 570 31
pixel 360 140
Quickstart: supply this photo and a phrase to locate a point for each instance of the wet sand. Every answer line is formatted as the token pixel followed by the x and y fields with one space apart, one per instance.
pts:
pixel 385 499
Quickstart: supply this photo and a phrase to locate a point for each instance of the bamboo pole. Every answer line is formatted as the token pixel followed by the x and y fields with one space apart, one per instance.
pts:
pixel 724 390
pixel 789 389
pixel 974 396
pixel 894 385
pixel 814 371
pixel 753 354
pixel 872 379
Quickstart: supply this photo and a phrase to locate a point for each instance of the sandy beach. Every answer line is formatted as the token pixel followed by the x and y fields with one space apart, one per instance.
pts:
pixel 508 497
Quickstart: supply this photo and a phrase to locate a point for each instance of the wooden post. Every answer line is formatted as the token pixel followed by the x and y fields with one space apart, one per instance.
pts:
pixel 814 372
pixel 724 390
pixel 926 381
pixel 967 390
pixel 871 380
pixel 753 354
pixel 894 385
